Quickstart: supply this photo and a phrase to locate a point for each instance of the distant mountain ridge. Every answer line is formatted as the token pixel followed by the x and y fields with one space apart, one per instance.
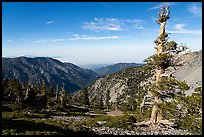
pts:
pixel 94 66
pixel 115 68
pixel 48 69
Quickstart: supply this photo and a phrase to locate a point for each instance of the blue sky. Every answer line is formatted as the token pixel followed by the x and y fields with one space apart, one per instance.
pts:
pixel 95 32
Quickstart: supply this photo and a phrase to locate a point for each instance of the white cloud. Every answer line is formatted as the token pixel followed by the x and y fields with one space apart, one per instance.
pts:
pixel 85 37
pixel 56 40
pixel 162 4
pixel 76 35
pixel 179 28
pixel 111 24
pixel 40 41
pixel 49 22
pixel 44 41
pixel 195 9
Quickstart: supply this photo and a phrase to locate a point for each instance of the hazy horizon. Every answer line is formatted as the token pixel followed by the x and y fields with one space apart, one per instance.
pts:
pixel 87 66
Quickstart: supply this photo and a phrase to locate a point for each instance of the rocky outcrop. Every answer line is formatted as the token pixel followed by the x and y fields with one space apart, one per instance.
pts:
pixel 190 69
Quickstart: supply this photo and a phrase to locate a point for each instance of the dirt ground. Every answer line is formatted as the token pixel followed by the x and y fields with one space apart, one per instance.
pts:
pixel 115 113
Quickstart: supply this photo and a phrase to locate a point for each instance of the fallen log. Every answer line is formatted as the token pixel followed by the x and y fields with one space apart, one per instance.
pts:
pixel 143 123
pixel 166 123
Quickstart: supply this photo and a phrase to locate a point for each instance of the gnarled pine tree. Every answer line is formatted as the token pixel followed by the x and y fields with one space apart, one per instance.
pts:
pixel 165 86
pixel 160 41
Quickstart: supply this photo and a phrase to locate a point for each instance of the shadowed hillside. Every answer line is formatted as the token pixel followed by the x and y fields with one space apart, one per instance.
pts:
pixel 50 70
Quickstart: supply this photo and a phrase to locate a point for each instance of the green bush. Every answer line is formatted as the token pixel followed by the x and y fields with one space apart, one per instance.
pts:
pixel 88 122
pixel 9 132
pixel 192 124
pixel 13 115
pixel 191 118
pixel 18 106
pixel 124 122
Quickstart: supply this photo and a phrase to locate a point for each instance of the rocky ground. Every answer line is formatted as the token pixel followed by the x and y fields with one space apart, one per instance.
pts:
pixel 68 118
pixel 140 131
pixel 119 131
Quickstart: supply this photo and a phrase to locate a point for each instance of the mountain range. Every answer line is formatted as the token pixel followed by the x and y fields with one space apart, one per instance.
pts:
pixel 52 71
pixel 107 70
pixel 48 69
pixel 117 78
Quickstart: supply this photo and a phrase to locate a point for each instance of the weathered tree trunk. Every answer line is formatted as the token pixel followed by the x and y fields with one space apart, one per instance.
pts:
pixel 164 15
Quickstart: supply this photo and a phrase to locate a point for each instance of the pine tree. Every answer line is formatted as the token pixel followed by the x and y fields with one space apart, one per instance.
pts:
pixel 51 91
pixel 62 95
pixel 44 88
pixel 160 41
pixel 85 97
pixel 107 100
pixel 36 87
pixel 44 93
pixel 117 102
pixel 50 95
pixel 101 102
pixel 15 89
pixel 132 102
pixel 165 85
pixel 94 102
pixel 30 96
pixel 68 98
pixel 5 93
pixel 57 92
